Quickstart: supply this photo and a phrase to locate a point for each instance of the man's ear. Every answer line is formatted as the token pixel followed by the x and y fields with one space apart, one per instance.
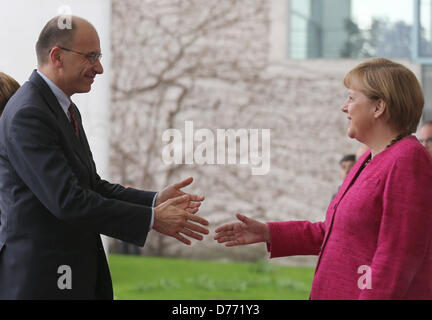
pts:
pixel 56 57
pixel 380 109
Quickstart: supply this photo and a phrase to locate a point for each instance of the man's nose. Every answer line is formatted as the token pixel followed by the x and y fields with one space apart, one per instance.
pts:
pixel 98 67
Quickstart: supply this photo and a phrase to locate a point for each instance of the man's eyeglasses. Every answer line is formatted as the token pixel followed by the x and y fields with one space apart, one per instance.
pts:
pixel 427 141
pixel 93 57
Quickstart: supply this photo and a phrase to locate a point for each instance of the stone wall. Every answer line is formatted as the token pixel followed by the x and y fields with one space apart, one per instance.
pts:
pixel 211 65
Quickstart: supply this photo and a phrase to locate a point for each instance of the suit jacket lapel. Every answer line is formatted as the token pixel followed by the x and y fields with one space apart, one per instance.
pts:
pixel 350 179
pixel 84 143
pixel 352 176
pixel 62 119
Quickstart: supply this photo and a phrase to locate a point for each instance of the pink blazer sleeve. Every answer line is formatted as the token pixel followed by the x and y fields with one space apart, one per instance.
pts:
pixel 295 238
pixel 405 230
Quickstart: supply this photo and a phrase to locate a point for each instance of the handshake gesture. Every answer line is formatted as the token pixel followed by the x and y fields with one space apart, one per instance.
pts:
pixel 174 215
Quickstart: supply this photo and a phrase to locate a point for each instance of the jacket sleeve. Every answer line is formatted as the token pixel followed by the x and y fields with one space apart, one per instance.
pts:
pixel 117 191
pixel 405 229
pixel 295 238
pixel 34 150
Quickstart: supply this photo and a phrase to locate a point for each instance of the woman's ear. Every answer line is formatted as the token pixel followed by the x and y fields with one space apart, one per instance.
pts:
pixel 380 109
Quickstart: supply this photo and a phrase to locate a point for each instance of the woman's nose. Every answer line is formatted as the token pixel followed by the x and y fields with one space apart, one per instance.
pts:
pixel 344 108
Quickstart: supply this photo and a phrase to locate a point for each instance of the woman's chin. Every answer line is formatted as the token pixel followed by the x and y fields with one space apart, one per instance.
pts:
pixel 350 134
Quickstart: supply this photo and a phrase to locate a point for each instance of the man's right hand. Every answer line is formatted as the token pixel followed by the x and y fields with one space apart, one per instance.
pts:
pixel 172 219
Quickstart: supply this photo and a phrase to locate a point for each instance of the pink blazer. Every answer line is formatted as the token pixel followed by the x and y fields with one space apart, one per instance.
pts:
pixel 381 221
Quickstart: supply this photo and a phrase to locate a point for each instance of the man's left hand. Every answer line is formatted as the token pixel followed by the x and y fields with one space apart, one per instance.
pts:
pixel 174 191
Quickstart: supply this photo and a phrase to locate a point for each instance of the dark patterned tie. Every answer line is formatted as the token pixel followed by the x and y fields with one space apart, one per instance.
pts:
pixel 74 120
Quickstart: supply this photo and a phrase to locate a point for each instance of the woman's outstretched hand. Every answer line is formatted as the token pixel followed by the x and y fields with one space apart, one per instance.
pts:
pixel 247 231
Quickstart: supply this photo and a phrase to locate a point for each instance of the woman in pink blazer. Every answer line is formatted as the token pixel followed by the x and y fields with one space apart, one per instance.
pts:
pixel 376 240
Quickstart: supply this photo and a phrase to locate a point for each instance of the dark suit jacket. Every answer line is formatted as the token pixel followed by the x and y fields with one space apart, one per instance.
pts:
pixel 53 204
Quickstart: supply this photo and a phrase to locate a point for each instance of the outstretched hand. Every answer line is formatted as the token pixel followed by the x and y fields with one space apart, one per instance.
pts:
pixel 247 231
pixel 172 219
pixel 174 191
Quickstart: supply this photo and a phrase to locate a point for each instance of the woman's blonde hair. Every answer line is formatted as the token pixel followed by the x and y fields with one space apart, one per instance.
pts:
pixel 8 86
pixel 394 84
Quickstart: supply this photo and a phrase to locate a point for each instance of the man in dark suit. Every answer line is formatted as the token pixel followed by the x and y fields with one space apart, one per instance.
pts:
pixel 53 204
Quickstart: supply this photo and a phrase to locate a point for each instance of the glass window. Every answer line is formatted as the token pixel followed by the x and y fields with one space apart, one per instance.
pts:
pixel 305 29
pixel 354 28
pixel 427 83
pixel 425 30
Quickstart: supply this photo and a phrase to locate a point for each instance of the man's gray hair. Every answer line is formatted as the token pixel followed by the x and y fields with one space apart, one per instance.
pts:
pixel 53 34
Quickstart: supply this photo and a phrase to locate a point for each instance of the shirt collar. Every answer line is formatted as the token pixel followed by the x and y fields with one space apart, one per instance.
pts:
pixel 62 98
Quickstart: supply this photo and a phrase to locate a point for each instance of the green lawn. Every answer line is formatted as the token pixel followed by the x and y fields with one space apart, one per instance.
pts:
pixel 162 278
